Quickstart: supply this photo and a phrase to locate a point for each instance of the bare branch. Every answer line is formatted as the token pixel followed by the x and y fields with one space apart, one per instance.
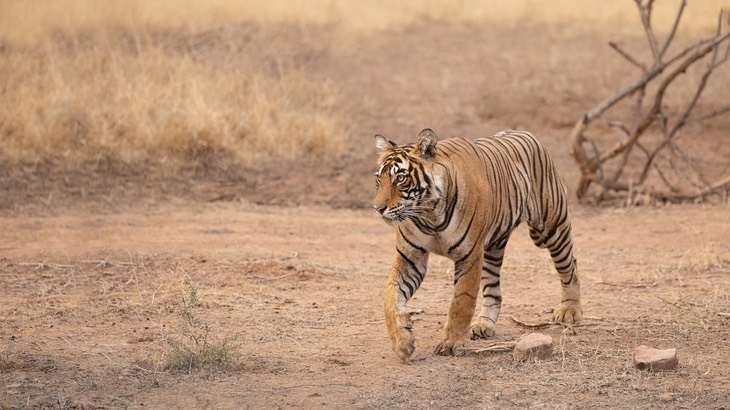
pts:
pixel 639 103
pixel 645 12
pixel 609 102
pixel 713 114
pixel 620 125
pixel 614 45
pixel 659 96
pixel 674 28
pixel 621 166
pixel 682 155
pixel 723 183
pixel 593 163
pixel 577 138
pixel 678 154
pixel 647 166
pixel 664 179
pixel 695 98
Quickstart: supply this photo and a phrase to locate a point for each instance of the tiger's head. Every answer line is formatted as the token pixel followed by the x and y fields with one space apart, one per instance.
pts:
pixel 405 181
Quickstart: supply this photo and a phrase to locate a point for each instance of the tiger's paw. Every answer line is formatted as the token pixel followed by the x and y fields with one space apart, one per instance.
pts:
pixel 482 330
pixel 568 312
pixel 448 347
pixel 401 335
pixel 404 343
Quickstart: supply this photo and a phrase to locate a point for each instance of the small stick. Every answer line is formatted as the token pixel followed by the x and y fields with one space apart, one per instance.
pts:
pixel 492 347
pixel 533 325
pixel 614 45
pixel 540 325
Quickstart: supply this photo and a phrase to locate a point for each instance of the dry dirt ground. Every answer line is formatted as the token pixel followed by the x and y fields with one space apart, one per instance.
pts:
pixel 108 273
pixel 90 301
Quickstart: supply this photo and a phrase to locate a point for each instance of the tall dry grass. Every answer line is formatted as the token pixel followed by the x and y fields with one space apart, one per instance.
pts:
pixel 102 100
pixel 94 84
pixel 85 78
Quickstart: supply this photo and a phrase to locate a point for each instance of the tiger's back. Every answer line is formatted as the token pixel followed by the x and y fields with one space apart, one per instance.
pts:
pixel 526 174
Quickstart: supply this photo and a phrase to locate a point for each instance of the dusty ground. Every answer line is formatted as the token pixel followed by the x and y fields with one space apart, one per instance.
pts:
pixel 89 301
pixel 99 263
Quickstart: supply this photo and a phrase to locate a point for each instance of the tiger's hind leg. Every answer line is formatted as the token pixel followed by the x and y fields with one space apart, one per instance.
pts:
pixel 559 241
pixel 484 325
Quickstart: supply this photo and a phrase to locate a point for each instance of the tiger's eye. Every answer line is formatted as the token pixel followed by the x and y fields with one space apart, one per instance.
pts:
pixel 400 179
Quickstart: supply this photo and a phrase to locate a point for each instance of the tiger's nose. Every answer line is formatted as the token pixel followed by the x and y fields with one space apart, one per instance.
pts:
pixel 379 209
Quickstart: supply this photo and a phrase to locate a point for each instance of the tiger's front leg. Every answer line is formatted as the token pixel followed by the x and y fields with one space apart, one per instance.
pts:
pixel 467 274
pixel 406 275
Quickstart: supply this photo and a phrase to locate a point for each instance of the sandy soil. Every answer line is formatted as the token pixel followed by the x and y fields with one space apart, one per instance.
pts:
pixel 90 300
pixel 106 272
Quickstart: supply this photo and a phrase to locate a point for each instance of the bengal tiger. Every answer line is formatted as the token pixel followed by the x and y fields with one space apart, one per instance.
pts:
pixel 462 199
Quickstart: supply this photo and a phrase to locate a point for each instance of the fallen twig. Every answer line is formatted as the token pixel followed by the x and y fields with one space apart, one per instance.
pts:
pixel 492 347
pixel 537 325
pixel 540 325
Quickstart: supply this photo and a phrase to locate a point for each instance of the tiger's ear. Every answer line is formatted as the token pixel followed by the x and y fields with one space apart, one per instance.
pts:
pixel 383 143
pixel 426 144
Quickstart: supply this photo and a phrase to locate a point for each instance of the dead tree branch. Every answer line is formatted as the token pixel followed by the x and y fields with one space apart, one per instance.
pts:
pixel 661 75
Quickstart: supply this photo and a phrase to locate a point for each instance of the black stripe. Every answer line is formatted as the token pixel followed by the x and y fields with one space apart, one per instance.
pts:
pixel 490 285
pixel 559 244
pixel 568 254
pixel 425 225
pixel 493 260
pixel 409 262
pixel 467 254
pixel 409 242
pixel 468 228
pixel 491 272
pixel 563 218
pixel 569 280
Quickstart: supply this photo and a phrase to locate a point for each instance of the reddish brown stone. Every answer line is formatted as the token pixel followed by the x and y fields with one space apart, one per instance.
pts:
pixel 533 345
pixel 648 358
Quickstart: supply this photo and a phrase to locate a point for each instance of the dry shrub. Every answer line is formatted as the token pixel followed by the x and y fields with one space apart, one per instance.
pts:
pixel 96 99
pixel 702 258
pixel 195 348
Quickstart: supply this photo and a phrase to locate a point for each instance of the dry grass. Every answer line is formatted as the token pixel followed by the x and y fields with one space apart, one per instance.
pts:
pixel 85 79
pixel 85 100
pixel 31 21
pixel 702 258
pixel 195 347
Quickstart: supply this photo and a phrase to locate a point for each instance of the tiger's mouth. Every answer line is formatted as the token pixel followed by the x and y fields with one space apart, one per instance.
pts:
pixel 393 220
pixel 394 216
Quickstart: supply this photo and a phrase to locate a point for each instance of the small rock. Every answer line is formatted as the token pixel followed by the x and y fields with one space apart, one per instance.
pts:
pixel 533 345
pixel 666 397
pixel 648 358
